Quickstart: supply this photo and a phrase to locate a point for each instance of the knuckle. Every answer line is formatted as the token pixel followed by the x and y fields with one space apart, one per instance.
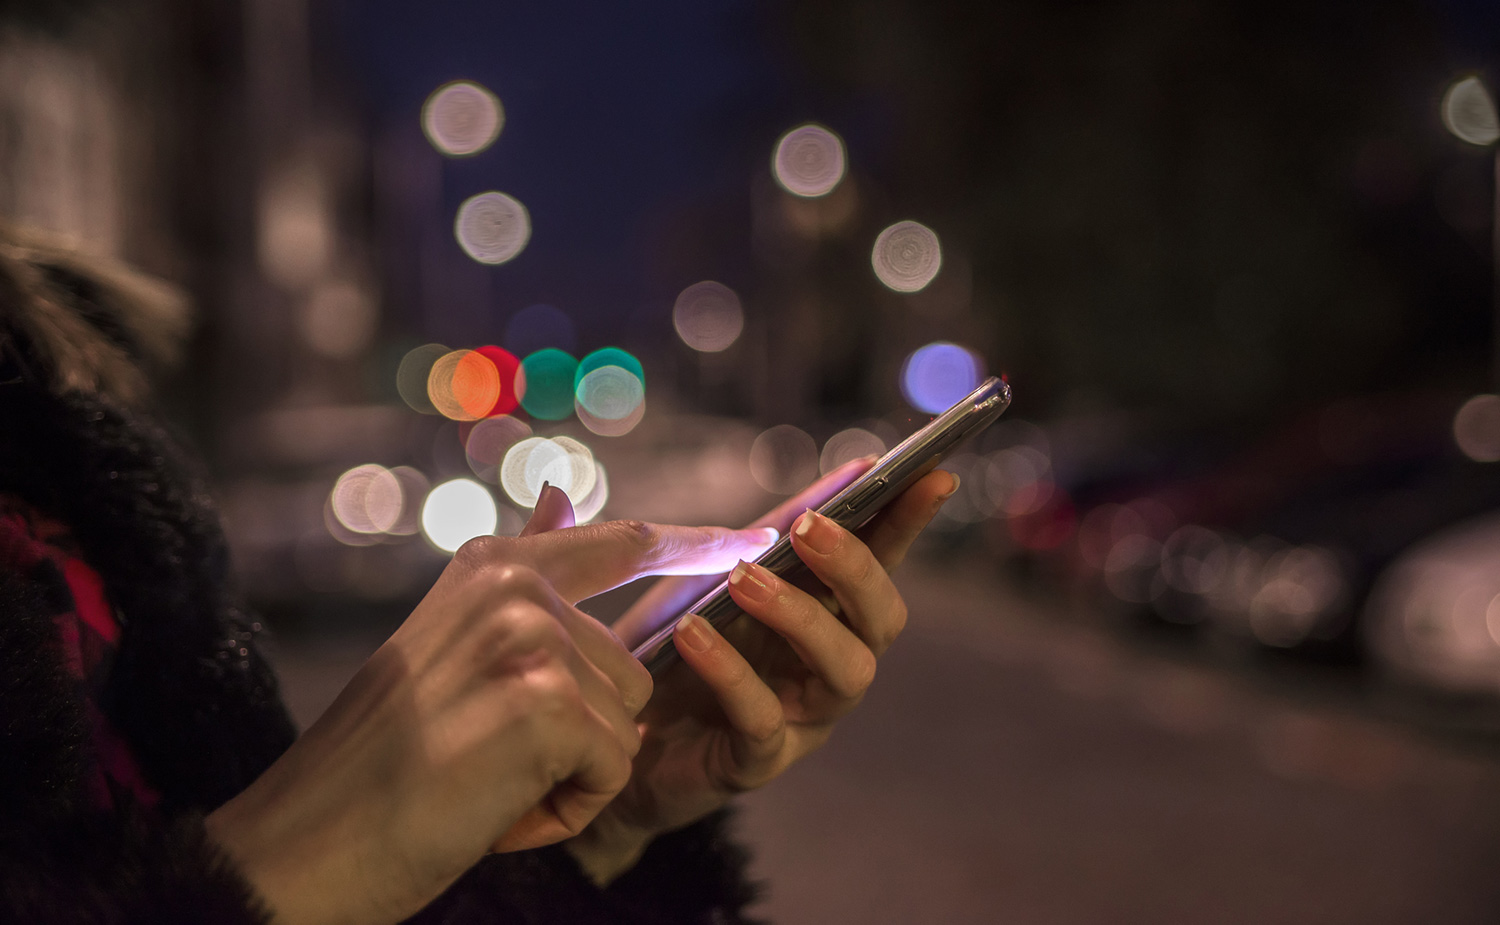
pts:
pixel 519 624
pixel 632 741
pixel 620 771
pixel 860 674
pixel 637 687
pixel 480 553
pixel 887 633
pixel 866 571
pixel 554 693
pixel 639 535
pixel 765 729
pixel 515 580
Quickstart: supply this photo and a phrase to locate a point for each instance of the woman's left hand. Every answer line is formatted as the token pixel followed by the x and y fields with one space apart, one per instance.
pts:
pixel 748 704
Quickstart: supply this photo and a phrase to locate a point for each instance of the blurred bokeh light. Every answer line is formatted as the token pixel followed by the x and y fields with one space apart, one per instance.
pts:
pixel 610 393
pixel 939 374
pixel 367 499
pixel 589 506
pixel 808 161
pixel 492 227
pixel 464 385
pixel 338 319
pixel 559 461
pixel 489 440
pixel 296 237
pixel 611 427
pixel 414 373
pixel 414 489
pixel 456 512
pixel 549 384
pixel 1476 428
pixel 512 382
pixel 462 118
pixel 609 356
pixel 783 459
pixel 907 256
pixel 1469 112
pixel 847 446
pixel 708 316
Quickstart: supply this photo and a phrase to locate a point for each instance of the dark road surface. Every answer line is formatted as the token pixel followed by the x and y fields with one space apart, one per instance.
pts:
pixel 1014 766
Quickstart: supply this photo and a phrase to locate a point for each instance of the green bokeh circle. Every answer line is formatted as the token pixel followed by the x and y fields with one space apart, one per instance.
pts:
pixel 550 377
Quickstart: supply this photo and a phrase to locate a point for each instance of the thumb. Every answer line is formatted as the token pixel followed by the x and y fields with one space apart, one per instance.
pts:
pixel 553 511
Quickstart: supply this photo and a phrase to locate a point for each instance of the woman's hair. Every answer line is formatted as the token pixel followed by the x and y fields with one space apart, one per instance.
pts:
pixel 76 323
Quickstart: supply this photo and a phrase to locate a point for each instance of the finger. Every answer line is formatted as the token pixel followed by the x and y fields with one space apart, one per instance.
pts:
pixel 751 707
pixel 606 699
pixel 891 532
pixel 584 561
pixel 814 495
pixel 866 596
pixel 829 648
pixel 600 769
pixel 672 595
pixel 604 650
pixel 554 511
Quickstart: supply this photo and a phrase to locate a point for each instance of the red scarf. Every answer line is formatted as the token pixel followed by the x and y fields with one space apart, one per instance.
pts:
pixel 42 550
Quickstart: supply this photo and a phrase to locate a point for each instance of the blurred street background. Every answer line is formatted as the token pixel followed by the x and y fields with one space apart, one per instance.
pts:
pixel 1211 631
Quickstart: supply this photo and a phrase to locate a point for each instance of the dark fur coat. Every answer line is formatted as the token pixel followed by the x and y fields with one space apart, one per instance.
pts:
pixel 201 720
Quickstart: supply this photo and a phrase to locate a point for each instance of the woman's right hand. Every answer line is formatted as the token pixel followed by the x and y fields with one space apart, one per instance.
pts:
pixel 497 717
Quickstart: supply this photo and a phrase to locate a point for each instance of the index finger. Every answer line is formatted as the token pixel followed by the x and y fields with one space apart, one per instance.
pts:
pixel 581 562
pixel 671 596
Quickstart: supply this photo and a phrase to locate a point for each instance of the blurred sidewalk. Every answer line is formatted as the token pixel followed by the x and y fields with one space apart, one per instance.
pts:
pixel 1011 765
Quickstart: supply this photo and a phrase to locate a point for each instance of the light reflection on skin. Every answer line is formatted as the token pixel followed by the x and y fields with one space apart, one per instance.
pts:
pixel 462 118
pixel 907 256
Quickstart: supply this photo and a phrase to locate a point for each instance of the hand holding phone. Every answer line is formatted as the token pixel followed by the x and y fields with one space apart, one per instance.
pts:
pixel 852 507
pixel 769 691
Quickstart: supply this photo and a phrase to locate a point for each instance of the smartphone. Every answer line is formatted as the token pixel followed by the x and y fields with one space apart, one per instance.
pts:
pixel 852 507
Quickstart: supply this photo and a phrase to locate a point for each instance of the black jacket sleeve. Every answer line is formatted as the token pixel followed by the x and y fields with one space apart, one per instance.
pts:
pixel 691 876
pixel 61 859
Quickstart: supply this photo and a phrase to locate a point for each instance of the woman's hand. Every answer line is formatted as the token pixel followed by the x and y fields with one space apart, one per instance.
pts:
pixel 497 717
pixel 744 708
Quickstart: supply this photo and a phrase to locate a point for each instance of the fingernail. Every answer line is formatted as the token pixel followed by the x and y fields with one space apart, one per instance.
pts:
pixel 818 533
pixel 693 633
pixel 769 535
pixel 952 489
pixel 753 581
